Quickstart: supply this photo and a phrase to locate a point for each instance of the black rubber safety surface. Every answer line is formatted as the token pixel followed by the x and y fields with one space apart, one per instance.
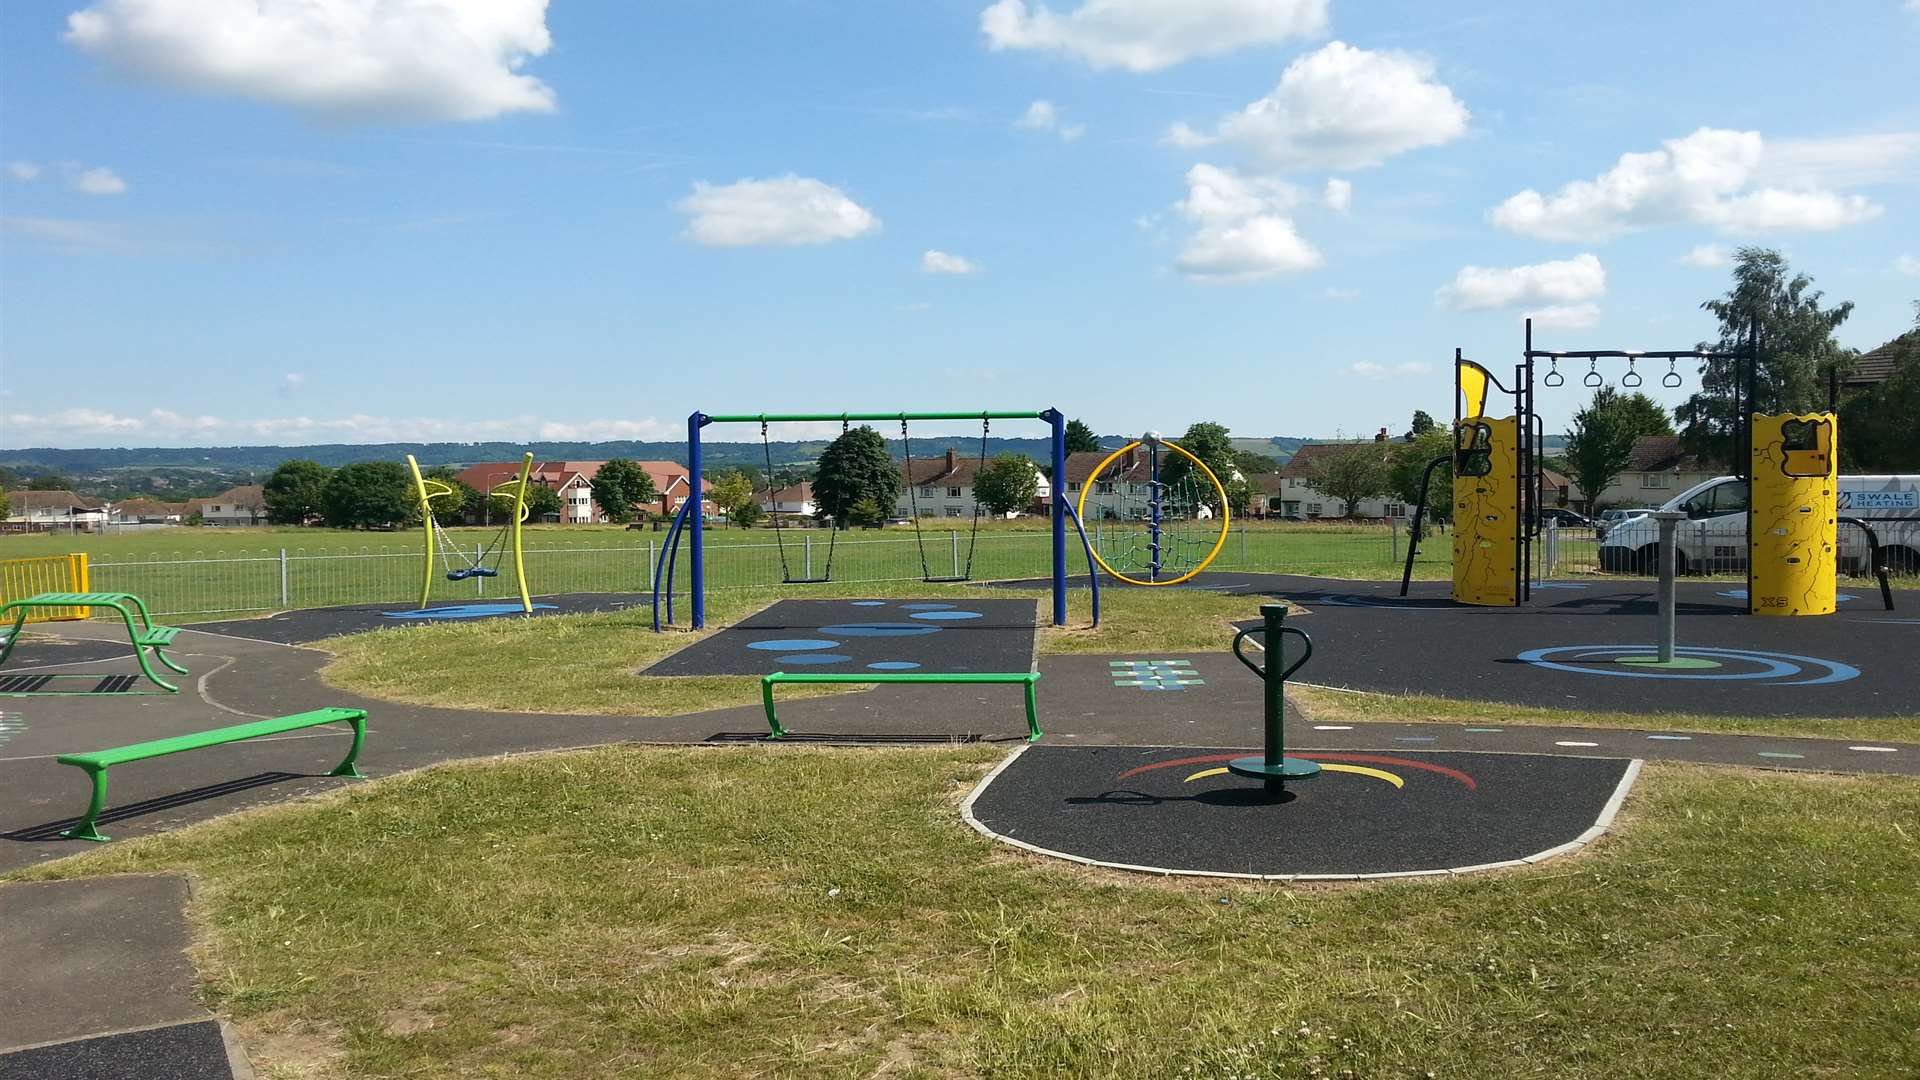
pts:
pixel 44 650
pixel 312 624
pixel 899 636
pixel 1172 808
pixel 192 1051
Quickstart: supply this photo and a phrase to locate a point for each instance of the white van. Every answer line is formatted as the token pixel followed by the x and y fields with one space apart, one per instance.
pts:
pixel 1713 539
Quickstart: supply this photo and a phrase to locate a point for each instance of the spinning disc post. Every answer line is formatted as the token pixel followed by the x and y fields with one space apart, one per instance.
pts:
pixel 1274 768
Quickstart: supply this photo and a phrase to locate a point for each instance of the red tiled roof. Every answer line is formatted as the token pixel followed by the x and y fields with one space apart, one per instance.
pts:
pixel 1306 459
pixel 1878 365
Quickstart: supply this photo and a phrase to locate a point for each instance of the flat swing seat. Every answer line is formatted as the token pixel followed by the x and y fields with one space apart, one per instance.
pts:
pixel 472 572
pixel 805 581
pixel 949 580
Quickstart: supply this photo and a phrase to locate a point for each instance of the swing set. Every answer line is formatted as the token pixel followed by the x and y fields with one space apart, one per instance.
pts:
pixel 454 562
pixel 1062 509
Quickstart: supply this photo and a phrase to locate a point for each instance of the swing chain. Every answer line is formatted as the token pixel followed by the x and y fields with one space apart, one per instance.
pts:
pixel 1632 377
pixel 1553 377
pixel 1593 378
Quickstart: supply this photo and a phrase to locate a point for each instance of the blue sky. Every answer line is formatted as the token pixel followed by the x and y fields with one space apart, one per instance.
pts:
pixel 288 221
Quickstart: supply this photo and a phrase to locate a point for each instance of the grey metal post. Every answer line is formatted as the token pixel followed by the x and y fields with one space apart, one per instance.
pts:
pixel 650 557
pixel 1552 557
pixel 1393 537
pixel 479 581
pixel 1243 545
pixel 283 578
pixel 953 543
pixel 808 572
pixel 1669 521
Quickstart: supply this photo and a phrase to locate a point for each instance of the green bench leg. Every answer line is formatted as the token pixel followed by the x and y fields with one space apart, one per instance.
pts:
pixel 86 829
pixel 346 766
pixel 773 721
pixel 163 659
pixel 140 651
pixel 1033 716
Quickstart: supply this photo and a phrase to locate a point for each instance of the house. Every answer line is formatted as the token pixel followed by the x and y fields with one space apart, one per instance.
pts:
pixel 243 505
pixel 34 510
pixel 1877 366
pixel 1657 470
pixel 1266 501
pixel 1557 488
pixel 795 501
pixel 943 486
pixel 573 482
pixel 1298 497
pixel 147 512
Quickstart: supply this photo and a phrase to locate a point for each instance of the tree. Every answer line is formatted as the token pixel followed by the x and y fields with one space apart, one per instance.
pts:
pixel 1877 428
pixel 855 467
pixel 1006 484
pixel 294 491
pixel 1422 424
pixel 1797 351
pixel 541 500
pixel 1350 474
pixel 368 494
pixel 49 482
pixel 1254 464
pixel 1080 438
pixel 1408 466
pixel 732 495
pixel 6 505
pixel 620 487
pixel 1600 442
pixel 464 504
pixel 867 513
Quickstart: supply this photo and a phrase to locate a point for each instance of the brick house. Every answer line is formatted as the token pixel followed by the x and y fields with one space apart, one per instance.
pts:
pixel 943 486
pixel 573 482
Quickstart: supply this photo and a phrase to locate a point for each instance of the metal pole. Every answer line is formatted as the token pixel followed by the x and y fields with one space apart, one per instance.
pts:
pixel 283 577
pixel 479 580
pixel 1059 489
pixel 1393 538
pixel 1550 559
pixel 953 537
pixel 697 579
pixel 651 556
pixel 808 572
pixel 1669 521
pixel 1153 510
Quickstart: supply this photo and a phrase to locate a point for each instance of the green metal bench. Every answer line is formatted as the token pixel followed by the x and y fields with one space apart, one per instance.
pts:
pixel 95 763
pixel 145 637
pixel 1025 678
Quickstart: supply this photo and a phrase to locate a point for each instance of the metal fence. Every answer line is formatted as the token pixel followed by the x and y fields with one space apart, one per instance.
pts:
pixel 203 583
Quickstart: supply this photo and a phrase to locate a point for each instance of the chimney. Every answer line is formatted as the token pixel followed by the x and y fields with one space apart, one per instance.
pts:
pixel 1382 437
pixel 952 463
pixel 1126 462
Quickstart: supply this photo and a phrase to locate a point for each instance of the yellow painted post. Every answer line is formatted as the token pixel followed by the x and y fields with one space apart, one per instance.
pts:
pixel 520 515
pixel 426 529
pixel 1486 504
pixel 1792 549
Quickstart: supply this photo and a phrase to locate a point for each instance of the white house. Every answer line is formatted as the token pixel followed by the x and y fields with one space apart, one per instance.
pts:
pixel 243 505
pixel 943 487
pixel 1657 471
pixel 50 509
pixel 789 502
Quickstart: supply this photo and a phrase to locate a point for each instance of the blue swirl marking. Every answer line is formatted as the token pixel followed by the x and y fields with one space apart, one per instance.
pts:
pixel 926 607
pixel 869 603
pixel 814 658
pixel 893 665
pixel 1787 668
pixel 463 611
pixel 1741 594
pixel 945 616
pixel 879 629
pixel 792 644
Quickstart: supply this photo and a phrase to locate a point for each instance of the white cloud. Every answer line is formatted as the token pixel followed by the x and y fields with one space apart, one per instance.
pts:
pixel 291 383
pixel 1705 178
pixel 98 181
pixel 1569 281
pixel 1708 255
pixel 1841 161
pixel 1242 231
pixel 1565 316
pixel 1043 115
pixel 1908 264
pixel 1340 107
pixel 939 262
pixel 341 60
pixel 163 427
pixel 1372 372
pixel 783 211
pixel 23 171
pixel 1339 195
pixel 1148 35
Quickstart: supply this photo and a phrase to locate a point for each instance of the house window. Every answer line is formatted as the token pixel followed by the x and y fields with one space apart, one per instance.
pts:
pixel 953 493
pixel 1073 485
pixel 1655 480
pixel 954 511
pixel 1396 510
pixel 1104 487
pixel 1136 489
pixel 926 491
pixel 1313 509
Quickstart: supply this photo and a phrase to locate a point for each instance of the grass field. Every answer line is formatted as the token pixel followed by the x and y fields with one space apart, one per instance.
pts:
pixel 634 912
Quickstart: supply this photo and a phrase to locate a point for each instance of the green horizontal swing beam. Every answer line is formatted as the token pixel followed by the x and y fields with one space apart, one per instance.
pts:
pixel 1021 678
pixel 788 418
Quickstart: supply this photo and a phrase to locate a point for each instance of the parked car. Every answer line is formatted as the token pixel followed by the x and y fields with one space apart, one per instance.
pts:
pixel 1567 519
pixel 1714 536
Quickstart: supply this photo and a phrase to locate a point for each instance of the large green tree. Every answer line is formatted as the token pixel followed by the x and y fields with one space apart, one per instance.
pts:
pixel 1080 438
pixel 1797 351
pixel 1006 484
pixel 464 502
pixel 1351 474
pixel 1880 427
pixel 542 502
pixel 1422 424
pixel 1600 440
pixel 1407 466
pixel 368 494
pixel 733 495
pixel 294 492
pixel 622 487
pixel 856 467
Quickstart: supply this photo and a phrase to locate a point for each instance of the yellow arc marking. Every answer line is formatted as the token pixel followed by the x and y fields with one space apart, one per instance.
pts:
pixel 1325 766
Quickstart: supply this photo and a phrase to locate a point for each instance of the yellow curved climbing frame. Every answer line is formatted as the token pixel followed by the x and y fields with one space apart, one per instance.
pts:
pixel 1226 514
pixel 428 490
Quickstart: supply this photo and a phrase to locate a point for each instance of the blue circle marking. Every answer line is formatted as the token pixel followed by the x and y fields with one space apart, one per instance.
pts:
pixel 869 603
pixel 792 644
pixel 1741 594
pixel 464 611
pixel 814 658
pixel 893 665
pixel 926 607
pixel 879 629
pixel 1784 666
pixel 945 616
